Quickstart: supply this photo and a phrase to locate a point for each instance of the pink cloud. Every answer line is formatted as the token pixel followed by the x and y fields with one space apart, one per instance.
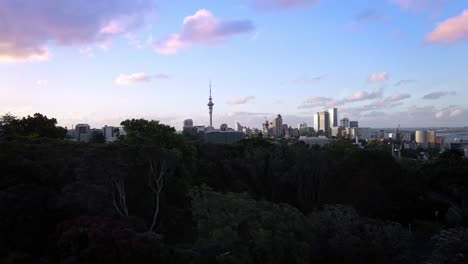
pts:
pixel 359 96
pixel 282 4
pixel 28 29
pixel 377 77
pixel 202 28
pixel 419 5
pixel 139 77
pixel 451 30
pixel 319 101
pixel 450 112
pixel 240 100
pixel 363 95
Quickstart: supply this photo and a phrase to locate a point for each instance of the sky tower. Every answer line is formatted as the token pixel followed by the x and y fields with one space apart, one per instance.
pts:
pixel 210 107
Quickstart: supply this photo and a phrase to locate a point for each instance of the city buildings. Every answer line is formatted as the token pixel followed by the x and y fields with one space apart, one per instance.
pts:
pixel 82 133
pixel 421 137
pixel 333 117
pixel 322 123
pixel 344 123
pixel 110 133
pixel 353 124
pixel 238 127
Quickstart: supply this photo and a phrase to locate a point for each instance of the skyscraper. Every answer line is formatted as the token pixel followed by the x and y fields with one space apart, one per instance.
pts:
pixel 324 123
pixel 238 127
pixel 353 124
pixel 344 122
pixel 277 127
pixel 333 117
pixel 317 122
pixel 210 107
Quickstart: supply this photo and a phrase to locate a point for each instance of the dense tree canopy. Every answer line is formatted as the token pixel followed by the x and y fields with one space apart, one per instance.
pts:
pixel 255 201
pixel 37 125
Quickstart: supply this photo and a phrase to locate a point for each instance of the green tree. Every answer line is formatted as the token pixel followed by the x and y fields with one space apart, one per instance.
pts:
pixel 7 119
pixel 37 125
pixel 150 132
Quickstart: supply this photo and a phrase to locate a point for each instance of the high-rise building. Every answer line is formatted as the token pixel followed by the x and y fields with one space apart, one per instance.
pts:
pixel 421 137
pixel 188 123
pixel 276 127
pixel 110 133
pixel 266 128
pixel 302 128
pixel 431 137
pixel 83 132
pixel 324 123
pixel 333 117
pixel 353 124
pixel 317 122
pixel 344 123
pixel 210 107
pixel 238 127
pixel 336 131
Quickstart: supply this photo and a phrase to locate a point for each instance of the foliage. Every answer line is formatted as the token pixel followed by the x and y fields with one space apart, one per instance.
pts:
pixel 141 132
pixel 233 228
pixel 451 247
pixel 37 125
pixel 256 201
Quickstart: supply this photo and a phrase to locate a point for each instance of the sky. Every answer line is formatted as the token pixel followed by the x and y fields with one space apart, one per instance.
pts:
pixel 382 62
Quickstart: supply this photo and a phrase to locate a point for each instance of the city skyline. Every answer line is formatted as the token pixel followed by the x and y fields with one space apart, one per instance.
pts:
pixel 403 61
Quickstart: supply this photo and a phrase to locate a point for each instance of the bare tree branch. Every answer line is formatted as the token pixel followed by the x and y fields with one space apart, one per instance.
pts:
pixel 120 204
pixel 156 182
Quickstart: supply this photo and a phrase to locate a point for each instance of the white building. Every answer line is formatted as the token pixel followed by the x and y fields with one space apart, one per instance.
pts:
pixel 333 112
pixel 238 127
pixel 110 133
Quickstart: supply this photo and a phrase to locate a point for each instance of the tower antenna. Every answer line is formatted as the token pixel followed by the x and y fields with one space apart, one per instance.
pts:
pixel 210 107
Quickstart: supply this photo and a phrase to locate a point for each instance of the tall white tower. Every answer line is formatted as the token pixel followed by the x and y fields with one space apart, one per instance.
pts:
pixel 210 107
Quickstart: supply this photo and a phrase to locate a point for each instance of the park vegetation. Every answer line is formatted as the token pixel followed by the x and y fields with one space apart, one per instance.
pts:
pixel 155 196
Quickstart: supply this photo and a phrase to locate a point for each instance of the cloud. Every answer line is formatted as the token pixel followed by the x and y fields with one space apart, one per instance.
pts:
pixel 452 30
pixel 240 100
pixel 202 28
pixel 403 82
pixel 139 77
pixel 419 5
pixel 27 30
pixel 450 112
pixel 389 101
pixel 319 101
pixel 269 5
pixel 437 95
pixel 363 95
pixel 377 77
pixel 359 96
pixel 370 15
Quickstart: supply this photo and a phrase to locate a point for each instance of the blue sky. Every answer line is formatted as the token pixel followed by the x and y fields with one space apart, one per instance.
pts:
pixel 382 62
